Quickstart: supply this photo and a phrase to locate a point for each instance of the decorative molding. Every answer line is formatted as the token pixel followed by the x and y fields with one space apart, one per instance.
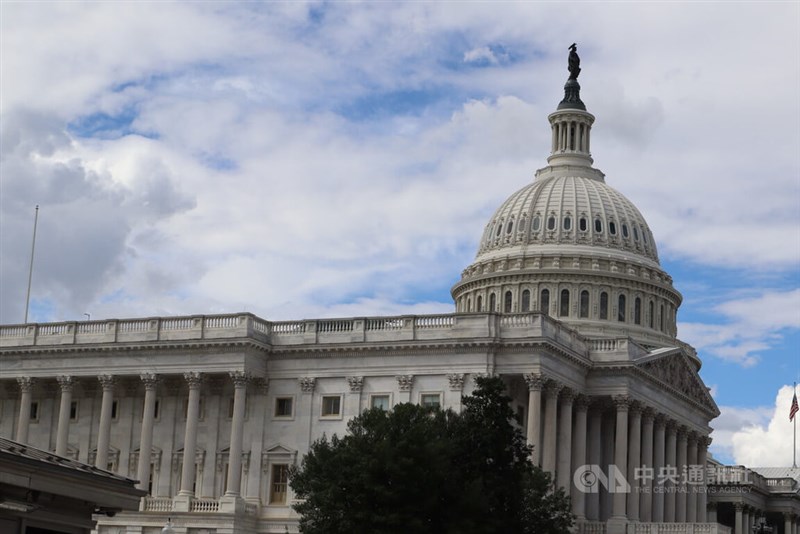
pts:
pixel 404 382
pixel 567 395
pixel 552 388
pixel 25 383
pixel 150 381
pixel 107 382
pixel 535 382
pixel 356 383
pixel 622 402
pixel 65 382
pixel 582 402
pixel 193 379
pixel 456 381
pixel 239 378
pixel 676 371
pixel 307 383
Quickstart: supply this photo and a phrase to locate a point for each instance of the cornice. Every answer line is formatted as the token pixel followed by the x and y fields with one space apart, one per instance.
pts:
pixel 225 345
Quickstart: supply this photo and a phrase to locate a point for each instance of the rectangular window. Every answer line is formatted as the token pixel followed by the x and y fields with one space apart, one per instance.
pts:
pixel 331 406
pixel 379 401
pixel 114 410
pixel 284 406
pixel 34 411
pixel 431 400
pixel 200 410
pixel 230 408
pixel 73 411
pixel 279 484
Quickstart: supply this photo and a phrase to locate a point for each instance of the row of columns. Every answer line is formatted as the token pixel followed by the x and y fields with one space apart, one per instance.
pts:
pixel 643 443
pixel 746 517
pixel 193 380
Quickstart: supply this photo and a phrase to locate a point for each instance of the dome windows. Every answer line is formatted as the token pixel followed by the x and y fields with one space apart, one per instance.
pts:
pixel 479 303
pixel 563 306
pixel 492 302
pixel 509 227
pixel 612 227
pixel 537 223
pixel 635 234
pixel 551 222
pixel 544 301
pixel 526 300
pixel 603 305
pixel 621 308
pixel 499 229
pixel 625 230
pixel 567 223
pixel 637 311
pixel 583 224
pixel 598 226
pixel 584 304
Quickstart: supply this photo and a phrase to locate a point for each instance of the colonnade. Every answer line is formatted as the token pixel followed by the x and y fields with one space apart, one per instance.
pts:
pixel 573 436
pixel 108 383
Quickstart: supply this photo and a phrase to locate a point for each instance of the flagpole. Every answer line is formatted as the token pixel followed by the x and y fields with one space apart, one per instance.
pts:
pixel 794 443
pixel 30 270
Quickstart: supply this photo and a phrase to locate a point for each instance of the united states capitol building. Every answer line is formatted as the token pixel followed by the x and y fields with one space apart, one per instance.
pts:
pixel 566 301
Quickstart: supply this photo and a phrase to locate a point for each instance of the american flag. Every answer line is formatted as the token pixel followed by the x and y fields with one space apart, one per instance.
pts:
pixel 794 408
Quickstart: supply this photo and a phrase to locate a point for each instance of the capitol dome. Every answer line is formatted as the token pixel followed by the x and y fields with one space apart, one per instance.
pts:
pixel 571 246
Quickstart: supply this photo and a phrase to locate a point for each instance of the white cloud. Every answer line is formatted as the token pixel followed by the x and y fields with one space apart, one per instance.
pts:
pixel 766 442
pixel 732 420
pixel 481 54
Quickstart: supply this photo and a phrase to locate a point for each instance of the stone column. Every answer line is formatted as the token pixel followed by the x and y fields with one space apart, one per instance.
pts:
pixel 62 435
pixel 681 463
pixel 535 383
pixel 550 422
pixel 104 433
pixel 634 459
pixel 563 471
pixel 670 462
pixel 24 421
pixel 622 404
pixel 711 513
pixel 702 496
pixel 194 380
pixel 659 443
pixel 240 379
pixel 693 487
pixel 146 439
pixel 578 497
pixel 787 523
pixel 746 520
pixel 646 486
pixel 739 522
pixel 595 457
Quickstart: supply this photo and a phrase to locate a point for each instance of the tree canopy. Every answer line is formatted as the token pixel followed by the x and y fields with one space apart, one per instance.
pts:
pixel 423 470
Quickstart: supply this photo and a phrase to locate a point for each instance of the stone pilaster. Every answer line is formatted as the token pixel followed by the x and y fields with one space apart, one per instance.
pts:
pixel 404 384
pixel 65 382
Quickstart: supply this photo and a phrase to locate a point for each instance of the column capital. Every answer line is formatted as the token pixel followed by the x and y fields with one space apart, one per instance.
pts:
pixel 694 438
pixel 150 380
pixel 552 389
pixel 704 442
pixel 356 383
pixel 456 381
pixel 648 414
pixel 307 384
pixel 404 382
pixel 636 408
pixel 193 379
pixel 107 382
pixel 582 402
pixel 739 506
pixel 711 505
pixel 671 425
pixel 661 420
pixel 239 378
pixel 683 433
pixel 622 402
pixel 66 382
pixel 25 383
pixel 262 383
pixel 568 395
pixel 535 382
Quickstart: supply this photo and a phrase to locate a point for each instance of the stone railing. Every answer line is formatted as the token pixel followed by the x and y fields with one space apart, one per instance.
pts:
pixel 781 485
pixel 442 327
pixel 680 528
pixel 156 504
pixel 592 527
pixel 204 505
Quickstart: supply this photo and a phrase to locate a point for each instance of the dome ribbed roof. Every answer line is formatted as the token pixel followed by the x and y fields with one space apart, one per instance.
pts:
pixel 565 210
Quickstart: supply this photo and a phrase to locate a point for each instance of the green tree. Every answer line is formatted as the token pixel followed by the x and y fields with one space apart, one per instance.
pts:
pixel 419 470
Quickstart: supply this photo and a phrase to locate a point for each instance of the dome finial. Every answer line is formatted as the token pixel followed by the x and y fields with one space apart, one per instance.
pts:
pixel 572 90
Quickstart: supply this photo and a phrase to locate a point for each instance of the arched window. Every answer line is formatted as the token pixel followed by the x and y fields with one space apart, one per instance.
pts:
pixel 635 234
pixel 567 223
pixel 603 305
pixel 551 223
pixel 598 226
pixel 563 306
pixel 526 300
pixel 644 236
pixel 507 302
pixel 662 318
pixel 499 229
pixel 584 304
pixel 469 304
pixel 480 303
pixel 637 311
pixel 612 227
pixel 544 301
pixel 582 224
pixel 509 227
pixel 625 230
pixel 621 309
pixel 492 302
pixel 536 223
pixel 650 313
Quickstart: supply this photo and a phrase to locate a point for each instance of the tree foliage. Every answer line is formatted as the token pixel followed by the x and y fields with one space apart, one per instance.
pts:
pixel 419 470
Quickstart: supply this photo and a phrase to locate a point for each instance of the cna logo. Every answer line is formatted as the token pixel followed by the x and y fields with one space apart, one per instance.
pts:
pixel 590 478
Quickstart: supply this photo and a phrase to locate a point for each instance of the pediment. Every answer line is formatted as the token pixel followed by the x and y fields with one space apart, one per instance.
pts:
pixel 672 368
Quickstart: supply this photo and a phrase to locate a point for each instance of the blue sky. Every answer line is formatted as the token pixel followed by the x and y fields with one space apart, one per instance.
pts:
pixel 335 159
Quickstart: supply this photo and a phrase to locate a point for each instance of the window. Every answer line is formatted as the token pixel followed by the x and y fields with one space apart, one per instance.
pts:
pixel 114 410
pixel 380 401
pixel 331 406
pixel 644 236
pixel 584 304
pixel 492 302
pixel 201 409
pixel 604 305
pixel 544 301
pixel 507 302
pixel 34 411
pixel 563 308
pixel 625 230
pixel 431 400
pixel 509 227
pixel 621 309
pixel 637 311
pixel 284 407
pixel 480 303
pixel 612 227
pixel 650 313
pixel 73 411
pixel 551 223
pixel 598 226
pixel 536 223
pixel 567 223
pixel 635 233
pixel 279 484
pixel 469 304
pixel 583 224
pixel 662 317
pixel 526 300
pixel 499 229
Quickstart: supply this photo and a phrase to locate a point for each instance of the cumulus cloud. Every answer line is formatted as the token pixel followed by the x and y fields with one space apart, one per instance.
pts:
pixel 731 421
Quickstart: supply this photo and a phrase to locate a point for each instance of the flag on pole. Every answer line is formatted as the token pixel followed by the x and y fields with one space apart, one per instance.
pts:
pixel 794 407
